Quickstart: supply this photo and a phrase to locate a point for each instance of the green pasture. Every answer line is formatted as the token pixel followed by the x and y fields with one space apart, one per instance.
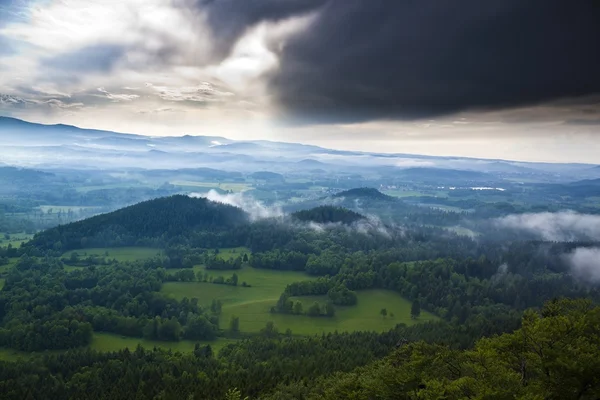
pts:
pixel 111 342
pixel 16 239
pixel 253 304
pixel 118 253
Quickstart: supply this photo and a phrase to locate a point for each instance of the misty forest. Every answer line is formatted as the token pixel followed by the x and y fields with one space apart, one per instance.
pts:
pixel 296 277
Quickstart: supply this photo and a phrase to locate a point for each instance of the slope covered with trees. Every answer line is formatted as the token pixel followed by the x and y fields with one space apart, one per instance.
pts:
pixel 327 215
pixel 364 194
pixel 159 219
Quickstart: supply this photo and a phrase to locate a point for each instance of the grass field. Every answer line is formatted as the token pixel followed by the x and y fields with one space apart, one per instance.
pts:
pixel 232 186
pixel 1 283
pixel 111 342
pixel 15 239
pixel 11 263
pixel 56 209
pixel 362 317
pixel 265 284
pixel 252 305
pixel 124 185
pixel 233 252
pixel 119 253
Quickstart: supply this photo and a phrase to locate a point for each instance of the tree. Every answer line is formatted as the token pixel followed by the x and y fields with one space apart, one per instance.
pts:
pixel 329 309
pixel 298 307
pixel 216 306
pixel 234 279
pixel 234 324
pixel 270 330
pixel 415 310
pixel 383 312
pixel 245 258
pixel 170 329
pixel 314 310
pixel 234 394
pixel 199 328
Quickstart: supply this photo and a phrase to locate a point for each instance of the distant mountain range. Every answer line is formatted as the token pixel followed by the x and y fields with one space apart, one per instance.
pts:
pixel 63 146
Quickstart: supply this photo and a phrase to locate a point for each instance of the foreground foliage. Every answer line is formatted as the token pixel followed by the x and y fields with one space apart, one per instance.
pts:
pixel 555 355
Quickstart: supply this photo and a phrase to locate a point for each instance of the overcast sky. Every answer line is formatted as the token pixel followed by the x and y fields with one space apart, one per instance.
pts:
pixel 513 79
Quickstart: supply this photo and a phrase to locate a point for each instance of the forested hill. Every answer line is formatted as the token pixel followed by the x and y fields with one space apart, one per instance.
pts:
pixel 328 214
pixel 163 218
pixel 364 193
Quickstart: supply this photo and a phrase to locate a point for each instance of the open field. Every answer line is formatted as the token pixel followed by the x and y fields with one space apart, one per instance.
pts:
pixel 233 252
pixel 111 342
pixel 15 239
pixel 253 304
pixel 65 209
pixel 11 263
pixel 362 317
pixel 232 186
pixel 123 185
pixel 265 284
pixel 119 253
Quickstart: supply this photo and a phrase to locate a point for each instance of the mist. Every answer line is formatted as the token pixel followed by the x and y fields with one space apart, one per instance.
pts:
pixel 563 226
pixel 255 209
pixel 585 263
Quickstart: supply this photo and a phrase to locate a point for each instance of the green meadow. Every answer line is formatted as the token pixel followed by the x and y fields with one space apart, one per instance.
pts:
pixel 15 239
pixel 233 252
pixel 253 304
pixel 6 267
pixel 111 342
pixel 118 253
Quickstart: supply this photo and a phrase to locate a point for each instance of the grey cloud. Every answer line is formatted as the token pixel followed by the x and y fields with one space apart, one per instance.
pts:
pixel 97 58
pixel 565 226
pixel 6 46
pixel 372 59
pixel 117 97
pixel 203 92
pixel 229 19
pixel 585 263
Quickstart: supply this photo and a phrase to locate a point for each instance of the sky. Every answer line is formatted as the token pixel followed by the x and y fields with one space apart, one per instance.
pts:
pixel 509 79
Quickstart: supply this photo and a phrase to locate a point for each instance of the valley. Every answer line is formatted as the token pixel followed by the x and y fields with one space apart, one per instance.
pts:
pixel 271 280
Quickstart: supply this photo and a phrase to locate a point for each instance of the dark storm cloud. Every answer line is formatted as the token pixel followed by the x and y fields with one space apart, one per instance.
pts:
pixel 366 59
pixel 97 58
pixel 229 19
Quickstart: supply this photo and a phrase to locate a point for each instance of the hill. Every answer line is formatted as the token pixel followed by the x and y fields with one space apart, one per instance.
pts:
pixel 328 214
pixel 267 176
pixel 163 219
pixel 364 193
